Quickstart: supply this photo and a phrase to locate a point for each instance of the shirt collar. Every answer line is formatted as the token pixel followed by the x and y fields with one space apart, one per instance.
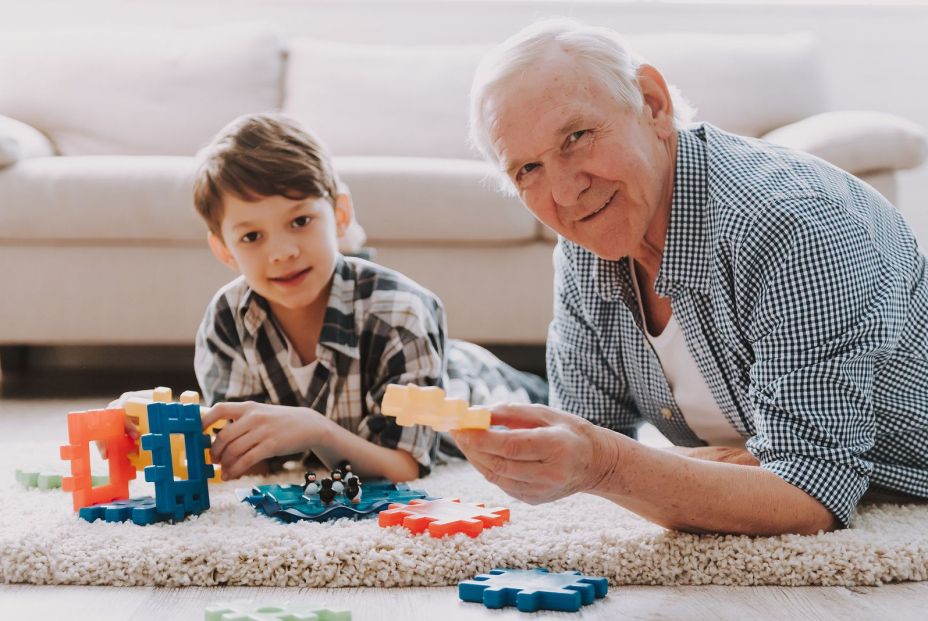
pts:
pixel 686 248
pixel 338 327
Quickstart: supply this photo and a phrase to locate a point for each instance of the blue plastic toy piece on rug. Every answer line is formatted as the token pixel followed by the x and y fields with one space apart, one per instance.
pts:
pixel 533 589
pixel 177 498
pixel 141 511
pixel 287 502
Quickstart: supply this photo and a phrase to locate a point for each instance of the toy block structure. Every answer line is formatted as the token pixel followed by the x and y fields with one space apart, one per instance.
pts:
pixel 533 589
pixel 40 480
pixel 247 611
pixel 105 426
pixel 427 405
pixel 443 516
pixel 141 511
pixel 177 498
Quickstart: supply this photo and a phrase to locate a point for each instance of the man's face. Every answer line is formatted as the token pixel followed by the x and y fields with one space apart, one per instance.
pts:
pixel 285 248
pixel 592 169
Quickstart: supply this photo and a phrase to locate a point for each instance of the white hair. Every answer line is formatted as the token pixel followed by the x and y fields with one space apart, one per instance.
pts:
pixel 599 50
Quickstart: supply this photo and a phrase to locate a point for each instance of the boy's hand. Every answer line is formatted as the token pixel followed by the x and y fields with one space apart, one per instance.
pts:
pixel 257 431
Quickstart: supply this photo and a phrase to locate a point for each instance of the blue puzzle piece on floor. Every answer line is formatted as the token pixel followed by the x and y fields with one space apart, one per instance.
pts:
pixel 287 502
pixel 533 589
pixel 177 498
pixel 141 511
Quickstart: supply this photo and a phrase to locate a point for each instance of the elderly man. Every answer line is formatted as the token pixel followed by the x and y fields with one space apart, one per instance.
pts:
pixel 766 311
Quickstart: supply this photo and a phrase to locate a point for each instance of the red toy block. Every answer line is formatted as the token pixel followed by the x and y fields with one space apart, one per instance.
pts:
pixel 105 426
pixel 443 516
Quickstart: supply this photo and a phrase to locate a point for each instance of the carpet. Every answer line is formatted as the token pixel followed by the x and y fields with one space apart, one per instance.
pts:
pixel 43 542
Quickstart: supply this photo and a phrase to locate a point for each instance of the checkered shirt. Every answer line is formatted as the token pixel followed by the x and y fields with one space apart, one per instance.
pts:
pixel 380 328
pixel 802 296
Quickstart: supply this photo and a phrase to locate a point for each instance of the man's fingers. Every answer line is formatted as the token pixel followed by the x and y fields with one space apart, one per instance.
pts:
pixel 520 416
pixel 536 444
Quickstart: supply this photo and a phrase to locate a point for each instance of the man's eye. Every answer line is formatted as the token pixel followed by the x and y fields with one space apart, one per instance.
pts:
pixel 250 238
pixel 526 169
pixel 301 221
pixel 575 137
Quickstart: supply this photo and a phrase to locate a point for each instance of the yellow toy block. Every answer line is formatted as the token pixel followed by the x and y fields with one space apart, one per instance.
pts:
pixel 190 396
pixel 136 410
pixel 162 394
pixel 418 405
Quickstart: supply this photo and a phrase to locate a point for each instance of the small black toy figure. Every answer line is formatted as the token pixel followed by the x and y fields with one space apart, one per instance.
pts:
pixel 337 483
pixel 353 490
pixel 326 493
pixel 310 486
pixel 346 467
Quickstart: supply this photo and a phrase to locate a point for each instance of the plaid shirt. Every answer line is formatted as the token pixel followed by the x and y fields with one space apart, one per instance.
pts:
pixel 380 328
pixel 803 298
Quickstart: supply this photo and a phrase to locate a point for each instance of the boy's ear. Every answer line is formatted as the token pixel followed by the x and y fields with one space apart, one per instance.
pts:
pixel 344 213
pixel 220 251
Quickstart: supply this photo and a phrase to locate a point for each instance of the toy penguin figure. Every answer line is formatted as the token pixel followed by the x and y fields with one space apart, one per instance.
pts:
pixel 348 473
pixel 353 490
pixel 310 486
pixel 337 483
pixel 326 493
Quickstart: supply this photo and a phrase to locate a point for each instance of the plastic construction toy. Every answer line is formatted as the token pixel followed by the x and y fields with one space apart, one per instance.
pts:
pixel 443 516
pixel 177 498
pixel 418 405
pixel 50 480
pixel 533 589
pixel 107 427
pixel 288 503
pixel 141 511
pixel 248 611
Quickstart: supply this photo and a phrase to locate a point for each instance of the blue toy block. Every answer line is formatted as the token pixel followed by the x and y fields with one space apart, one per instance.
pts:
pixel 288 504
pixel 177 498
pixel 533 589
pixel 141 511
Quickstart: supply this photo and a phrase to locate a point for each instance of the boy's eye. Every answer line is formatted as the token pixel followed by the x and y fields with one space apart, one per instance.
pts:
pixel 250 237
pixel 301 221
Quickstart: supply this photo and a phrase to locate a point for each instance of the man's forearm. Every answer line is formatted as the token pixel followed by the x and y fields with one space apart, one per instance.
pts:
pixel 695 495
pixel 367 459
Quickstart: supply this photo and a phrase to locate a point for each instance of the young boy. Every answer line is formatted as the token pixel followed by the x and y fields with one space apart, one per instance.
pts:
pixel 297 352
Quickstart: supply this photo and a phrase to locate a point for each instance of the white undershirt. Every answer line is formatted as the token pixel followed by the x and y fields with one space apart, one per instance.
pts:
pixel 303 374
pixel 687 384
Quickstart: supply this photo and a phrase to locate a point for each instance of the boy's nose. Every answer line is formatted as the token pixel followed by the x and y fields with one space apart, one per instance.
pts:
pixel 284 251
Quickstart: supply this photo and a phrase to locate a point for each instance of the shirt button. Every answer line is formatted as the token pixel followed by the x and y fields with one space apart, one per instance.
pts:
pixel 667 413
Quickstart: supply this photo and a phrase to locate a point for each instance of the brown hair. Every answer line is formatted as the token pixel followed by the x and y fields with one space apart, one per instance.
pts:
pixel 260 155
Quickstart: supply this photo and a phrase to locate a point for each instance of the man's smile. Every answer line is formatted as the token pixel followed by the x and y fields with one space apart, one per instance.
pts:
pixel 589 217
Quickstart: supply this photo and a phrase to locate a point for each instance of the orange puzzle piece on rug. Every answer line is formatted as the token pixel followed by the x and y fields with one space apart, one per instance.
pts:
pixel 443 516
pixel 427 405
pixel 105 426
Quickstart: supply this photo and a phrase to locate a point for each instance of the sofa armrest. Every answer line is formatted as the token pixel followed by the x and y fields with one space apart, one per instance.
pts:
pixel 857 141
pixel 19 141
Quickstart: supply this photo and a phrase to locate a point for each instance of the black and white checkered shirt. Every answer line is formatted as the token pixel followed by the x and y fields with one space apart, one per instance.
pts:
pixel 802 296
pixel 379 328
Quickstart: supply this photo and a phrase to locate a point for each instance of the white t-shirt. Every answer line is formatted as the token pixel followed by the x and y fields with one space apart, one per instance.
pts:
pixel 303 374
pixel 689 387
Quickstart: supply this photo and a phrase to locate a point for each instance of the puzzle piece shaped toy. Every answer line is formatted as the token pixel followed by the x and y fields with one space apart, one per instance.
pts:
pixel 427 405
pixel 248 611
pixel 141 511
pixel 49 480
pixel 533 589
pixel 443 516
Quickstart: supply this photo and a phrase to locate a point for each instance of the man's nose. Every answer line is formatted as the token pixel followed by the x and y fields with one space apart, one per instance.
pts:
pixel 568 183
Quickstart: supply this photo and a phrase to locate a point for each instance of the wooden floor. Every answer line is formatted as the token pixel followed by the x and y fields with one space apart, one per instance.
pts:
pixel 27 417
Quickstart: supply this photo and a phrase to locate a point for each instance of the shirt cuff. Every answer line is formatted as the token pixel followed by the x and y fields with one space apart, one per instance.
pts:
pixel 837 487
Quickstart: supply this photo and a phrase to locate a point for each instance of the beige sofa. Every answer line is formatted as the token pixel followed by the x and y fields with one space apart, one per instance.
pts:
pixel 99 243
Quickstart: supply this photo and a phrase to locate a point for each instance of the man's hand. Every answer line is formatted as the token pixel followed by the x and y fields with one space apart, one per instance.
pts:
pixel 256 431
pixel 543 455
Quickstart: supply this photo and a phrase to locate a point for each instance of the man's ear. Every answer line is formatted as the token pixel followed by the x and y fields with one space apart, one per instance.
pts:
pixel 344 213
pixel 220 251
pixel 657 100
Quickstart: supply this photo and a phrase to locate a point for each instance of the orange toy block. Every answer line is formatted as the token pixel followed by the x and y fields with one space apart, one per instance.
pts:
pixel 444 516
pixel 418 405
pixel 105 426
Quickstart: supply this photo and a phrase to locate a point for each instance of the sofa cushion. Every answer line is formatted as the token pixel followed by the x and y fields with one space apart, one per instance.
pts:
pixel 134 90
pixel 19 141
pixel 149 199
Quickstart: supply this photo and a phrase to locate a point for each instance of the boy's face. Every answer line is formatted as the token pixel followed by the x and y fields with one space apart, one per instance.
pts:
pixel 285 248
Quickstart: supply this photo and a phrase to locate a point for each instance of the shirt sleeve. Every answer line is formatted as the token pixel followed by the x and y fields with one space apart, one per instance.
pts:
pixel 412 341
pixel 820 307
pixel 219 362
pixel 581 380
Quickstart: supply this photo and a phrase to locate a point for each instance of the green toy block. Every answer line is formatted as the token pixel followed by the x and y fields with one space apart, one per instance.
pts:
pixel 47 480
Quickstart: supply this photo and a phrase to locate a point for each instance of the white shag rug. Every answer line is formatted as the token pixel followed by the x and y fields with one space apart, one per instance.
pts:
pixel 43 542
